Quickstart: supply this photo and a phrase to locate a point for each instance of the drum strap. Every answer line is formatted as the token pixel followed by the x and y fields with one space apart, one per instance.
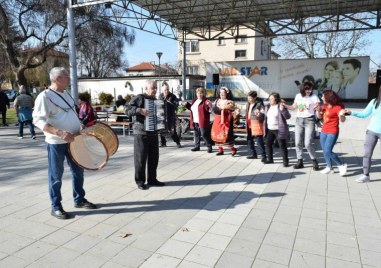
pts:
pixel 71 107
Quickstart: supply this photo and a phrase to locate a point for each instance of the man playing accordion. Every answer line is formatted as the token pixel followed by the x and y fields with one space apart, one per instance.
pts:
pixel 146 143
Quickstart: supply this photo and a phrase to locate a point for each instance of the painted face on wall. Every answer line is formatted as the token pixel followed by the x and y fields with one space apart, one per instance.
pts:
pixel 350 73
pixel 329 69
pixel 337 79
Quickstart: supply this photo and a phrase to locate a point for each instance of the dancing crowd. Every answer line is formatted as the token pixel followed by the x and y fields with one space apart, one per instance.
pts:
pixel 266 126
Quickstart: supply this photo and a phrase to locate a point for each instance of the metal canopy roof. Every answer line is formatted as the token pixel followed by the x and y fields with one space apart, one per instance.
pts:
pixel 208 19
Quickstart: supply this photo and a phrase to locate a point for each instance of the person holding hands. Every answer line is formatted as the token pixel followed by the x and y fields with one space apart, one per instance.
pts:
pixel 373 133
pixel 304 104
pixel 200 119
pixel 254 125
pixel 276 114
pixel 332 112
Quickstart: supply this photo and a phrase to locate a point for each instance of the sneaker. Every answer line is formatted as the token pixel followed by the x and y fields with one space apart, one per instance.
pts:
pixel 343 170
pixel 363 178
pixel 33 137
pixel 85 204
pixel 20 137
pixel 179 145
pixel 60 214
pixel 327 170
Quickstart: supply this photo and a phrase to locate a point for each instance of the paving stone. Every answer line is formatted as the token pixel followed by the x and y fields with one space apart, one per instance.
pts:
pixel 34 251
pixel 175 248
pixel 224 229
pixel 341 239
pixel 229 259
pixel 243 247
pixel 204 255
pixel 310 246
pixel 267 264
pixel 336 263
pixel 370 258
pixel 274 254
pixel 158 261
pixel 131 257
pixel 214 241
pixel 343 253
pixel 304 259
pixel 279 240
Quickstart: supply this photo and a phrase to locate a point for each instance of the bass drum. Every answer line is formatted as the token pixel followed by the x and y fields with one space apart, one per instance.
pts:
pixel 93 147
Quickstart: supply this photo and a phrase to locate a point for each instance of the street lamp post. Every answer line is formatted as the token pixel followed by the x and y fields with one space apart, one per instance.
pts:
pixel 159 54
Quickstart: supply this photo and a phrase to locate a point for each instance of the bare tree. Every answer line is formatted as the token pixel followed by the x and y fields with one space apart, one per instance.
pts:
pixel 323 45
pixel 100 49
pixel 41 25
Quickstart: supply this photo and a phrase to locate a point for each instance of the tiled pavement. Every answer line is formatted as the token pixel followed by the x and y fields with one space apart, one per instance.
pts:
pixel 214 212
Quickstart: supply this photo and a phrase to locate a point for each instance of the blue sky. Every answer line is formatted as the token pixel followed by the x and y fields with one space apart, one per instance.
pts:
pixel 147 44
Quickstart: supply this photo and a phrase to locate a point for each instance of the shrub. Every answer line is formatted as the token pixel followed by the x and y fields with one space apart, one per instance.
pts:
pixel 86 95
pixel 105 98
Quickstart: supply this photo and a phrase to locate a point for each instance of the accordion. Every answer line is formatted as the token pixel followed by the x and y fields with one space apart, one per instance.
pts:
pixel 157 118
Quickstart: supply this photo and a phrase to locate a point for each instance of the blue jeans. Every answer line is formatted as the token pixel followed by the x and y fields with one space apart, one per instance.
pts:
pixel 327 142
pixel 304 131
pixel 30 125
pixel 56 157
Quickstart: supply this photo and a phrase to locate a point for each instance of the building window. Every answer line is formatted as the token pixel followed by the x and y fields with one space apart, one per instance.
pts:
pixel 242 39
pixel 192 69
pixel 240 54
pixel 192 46
pixel 221 41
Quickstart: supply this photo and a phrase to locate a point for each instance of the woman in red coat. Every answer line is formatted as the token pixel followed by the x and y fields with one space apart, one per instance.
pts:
pixel 86 112
pixel 200 119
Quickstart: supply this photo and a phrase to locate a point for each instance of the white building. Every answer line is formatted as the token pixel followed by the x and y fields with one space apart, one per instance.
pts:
pixel 225 48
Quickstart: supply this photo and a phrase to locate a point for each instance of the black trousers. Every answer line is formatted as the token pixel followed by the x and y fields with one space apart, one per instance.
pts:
pixel 146 155
pixel 271 136
pixel 4 115
pixel 201 132
pixel 173 133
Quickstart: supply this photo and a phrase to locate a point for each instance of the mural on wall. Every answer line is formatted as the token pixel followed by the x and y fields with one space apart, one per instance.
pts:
pixel 347 76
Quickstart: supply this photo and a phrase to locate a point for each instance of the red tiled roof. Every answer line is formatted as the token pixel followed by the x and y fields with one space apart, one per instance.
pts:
pixel 144 66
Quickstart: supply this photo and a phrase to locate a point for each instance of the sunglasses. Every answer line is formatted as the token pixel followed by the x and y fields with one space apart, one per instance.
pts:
pixel 307 88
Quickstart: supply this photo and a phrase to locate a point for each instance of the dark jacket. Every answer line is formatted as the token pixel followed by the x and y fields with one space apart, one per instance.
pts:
pixel 133 109
pixel 172 103
pixel 258 104
pixel 4 101
pixel 203 113
pixel 283 132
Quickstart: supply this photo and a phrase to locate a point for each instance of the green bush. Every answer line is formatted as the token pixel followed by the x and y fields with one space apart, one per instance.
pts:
pixel 105 98
pixel 85 95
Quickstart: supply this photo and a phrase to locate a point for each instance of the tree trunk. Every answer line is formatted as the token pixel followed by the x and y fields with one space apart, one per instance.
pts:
pixel 20 76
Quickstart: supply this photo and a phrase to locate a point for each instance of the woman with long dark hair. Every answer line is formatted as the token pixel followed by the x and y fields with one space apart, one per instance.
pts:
pixel 332 113
pixel 373 133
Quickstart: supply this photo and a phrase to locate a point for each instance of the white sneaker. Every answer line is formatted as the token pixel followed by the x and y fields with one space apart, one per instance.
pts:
pixel 343 170
pixel 327 170
pixel 363 178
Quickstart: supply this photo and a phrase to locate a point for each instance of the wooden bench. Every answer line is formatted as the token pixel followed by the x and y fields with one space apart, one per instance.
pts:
pixel 122 125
